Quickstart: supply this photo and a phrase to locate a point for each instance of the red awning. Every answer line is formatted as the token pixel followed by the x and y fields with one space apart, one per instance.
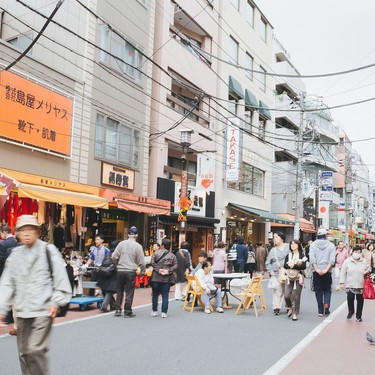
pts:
pixel 142 207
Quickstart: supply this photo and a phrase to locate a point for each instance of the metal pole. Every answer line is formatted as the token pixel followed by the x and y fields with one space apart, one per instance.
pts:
pixel 184 187
pixel 299 196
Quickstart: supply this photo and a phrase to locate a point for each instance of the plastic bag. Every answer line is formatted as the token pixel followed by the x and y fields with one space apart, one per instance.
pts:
pixel 368 289
pixel 273 283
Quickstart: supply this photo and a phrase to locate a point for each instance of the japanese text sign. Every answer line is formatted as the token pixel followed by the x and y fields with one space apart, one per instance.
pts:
pixel 35 116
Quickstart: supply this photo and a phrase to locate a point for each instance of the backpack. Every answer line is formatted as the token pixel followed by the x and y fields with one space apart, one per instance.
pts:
pixel 64 308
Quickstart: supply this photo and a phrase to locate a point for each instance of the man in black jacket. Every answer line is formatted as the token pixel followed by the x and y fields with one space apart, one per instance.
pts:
pixel 6 246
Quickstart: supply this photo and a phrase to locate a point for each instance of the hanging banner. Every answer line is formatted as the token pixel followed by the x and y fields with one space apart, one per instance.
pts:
pixel 197 201
pixel 205 172
pixel 324 213
pixel 232 158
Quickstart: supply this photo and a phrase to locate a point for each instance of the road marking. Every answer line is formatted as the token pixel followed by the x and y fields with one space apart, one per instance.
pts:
pixel 293 353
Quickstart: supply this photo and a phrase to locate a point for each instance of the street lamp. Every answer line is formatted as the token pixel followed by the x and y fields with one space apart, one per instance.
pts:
pixel 184 202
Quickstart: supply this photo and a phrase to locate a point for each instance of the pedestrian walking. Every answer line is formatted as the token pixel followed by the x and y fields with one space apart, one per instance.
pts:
pixel 341 254
pixel 260 257
pixel 322 258
pixel 36 284
pixel 275 260
pixel 352 276
pixel 296 261
pixel 183 266
pixel 164 265
pixel 128 257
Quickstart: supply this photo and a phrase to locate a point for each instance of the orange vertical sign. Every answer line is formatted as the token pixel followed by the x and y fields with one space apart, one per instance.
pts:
pixel 33 115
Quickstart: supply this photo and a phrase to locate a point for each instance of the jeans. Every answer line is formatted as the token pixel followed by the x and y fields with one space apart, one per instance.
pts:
pixel 108 300
pixel 32 341
pixel 322 287
pixel 157 289
pixel 240 266
pixel 125 279
pixel 350 300
pixel 206 299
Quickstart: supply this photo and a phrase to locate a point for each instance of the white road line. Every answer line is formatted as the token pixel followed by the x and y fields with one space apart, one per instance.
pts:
pixel 293 353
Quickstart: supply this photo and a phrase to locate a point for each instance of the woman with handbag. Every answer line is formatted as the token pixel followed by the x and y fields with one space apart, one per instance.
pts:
pixel 206 280
pixel 164 265
pixel 352 277
pixel 274 265
pixel 294 264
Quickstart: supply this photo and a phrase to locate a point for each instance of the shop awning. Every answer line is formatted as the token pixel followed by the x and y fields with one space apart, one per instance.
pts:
pixel 145 208
pixel 261 214
pixel 264 111
pixel 250 99
pixel 235 87
pixel 138 203
pixel 304 224
pixel 61 196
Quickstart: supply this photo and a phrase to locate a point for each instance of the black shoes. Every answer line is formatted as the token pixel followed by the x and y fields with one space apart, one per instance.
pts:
pixel 326 311
pixel 118 313
pixel 276 311
pixel 359 319
pixel 350 315
pixel 129 315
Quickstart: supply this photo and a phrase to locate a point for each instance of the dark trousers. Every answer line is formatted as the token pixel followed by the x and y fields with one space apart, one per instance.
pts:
pixel 108 300
pixel 240 266
pixel 157 289
pixel 292 295
pixel 250 268
pixel 350 300
pixel 125 280
pixel 32 341
pixel 322 288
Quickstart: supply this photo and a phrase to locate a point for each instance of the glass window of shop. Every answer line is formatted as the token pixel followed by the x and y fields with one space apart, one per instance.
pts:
pixel 251 180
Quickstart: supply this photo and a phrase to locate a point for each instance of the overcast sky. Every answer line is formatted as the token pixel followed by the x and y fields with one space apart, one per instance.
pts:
pixel 324 36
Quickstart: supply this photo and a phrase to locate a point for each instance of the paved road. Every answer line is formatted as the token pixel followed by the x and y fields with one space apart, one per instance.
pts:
pixel 194 343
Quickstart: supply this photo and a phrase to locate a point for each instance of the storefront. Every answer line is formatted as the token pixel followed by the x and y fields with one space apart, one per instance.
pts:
pixel 200 225
pixel 67 212
pixel 251 223
pixel 307 229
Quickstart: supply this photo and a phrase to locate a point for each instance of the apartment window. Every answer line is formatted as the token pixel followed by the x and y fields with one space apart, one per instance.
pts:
pixel 124 58
pixel 21 42
pixel 250 14
pixel 232 107
pixel 116 142
pixel 263 29
pixel 262 129
pixel 248 120
pixel 191 167
pixel 262 79
pixel 236 4
pixel 233 51
pixel 251 181
pixel 249 65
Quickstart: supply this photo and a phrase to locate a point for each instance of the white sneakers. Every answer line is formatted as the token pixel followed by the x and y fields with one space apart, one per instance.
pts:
pixel 219 309
pixel 155 313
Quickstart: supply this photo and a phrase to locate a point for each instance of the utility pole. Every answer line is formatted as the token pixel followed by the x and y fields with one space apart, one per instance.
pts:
pixel 348 190
pixel 299 196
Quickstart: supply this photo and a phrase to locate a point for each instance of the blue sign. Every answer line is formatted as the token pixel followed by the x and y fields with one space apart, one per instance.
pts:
pixel 327 174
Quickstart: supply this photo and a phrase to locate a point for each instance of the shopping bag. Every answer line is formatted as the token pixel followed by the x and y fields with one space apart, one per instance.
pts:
pixel 273 283
pixel 368 289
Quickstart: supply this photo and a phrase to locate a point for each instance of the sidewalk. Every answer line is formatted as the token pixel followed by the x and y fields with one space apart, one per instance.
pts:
pixel 339 347
pixel 142 296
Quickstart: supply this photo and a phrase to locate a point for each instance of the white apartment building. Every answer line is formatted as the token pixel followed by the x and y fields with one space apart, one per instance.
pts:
pixel 245 128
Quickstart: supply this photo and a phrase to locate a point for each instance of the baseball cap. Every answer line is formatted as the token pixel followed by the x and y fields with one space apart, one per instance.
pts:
pixel 133 231
pixel 322 232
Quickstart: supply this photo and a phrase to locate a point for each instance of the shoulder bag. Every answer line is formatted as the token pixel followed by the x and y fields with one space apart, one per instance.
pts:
pixel 292 274
pixel 282 272
pixel 368 289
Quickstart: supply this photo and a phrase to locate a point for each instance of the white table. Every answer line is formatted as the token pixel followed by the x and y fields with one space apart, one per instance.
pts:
pixel 225 285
